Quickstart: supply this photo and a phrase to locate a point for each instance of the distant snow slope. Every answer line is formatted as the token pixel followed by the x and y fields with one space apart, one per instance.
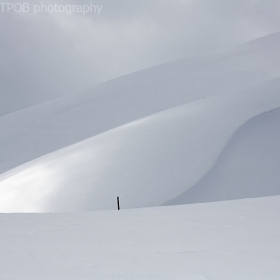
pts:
pixel 249 166
pixel 146 162
pixel 233 240
pixel 36 131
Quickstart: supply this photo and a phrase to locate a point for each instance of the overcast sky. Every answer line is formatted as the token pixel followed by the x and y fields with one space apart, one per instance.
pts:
pixel 47 55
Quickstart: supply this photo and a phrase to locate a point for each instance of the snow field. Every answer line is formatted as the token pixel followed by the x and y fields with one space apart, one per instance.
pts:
pixel 225 240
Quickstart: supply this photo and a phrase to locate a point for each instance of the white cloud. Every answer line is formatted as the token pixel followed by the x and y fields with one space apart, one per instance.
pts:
pixel 48 55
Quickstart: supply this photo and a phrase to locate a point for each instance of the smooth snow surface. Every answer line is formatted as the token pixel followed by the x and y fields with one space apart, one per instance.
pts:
pixel 248 166
pixel 36 131
pixel 146 162
pixel 237 240
pixel 152 136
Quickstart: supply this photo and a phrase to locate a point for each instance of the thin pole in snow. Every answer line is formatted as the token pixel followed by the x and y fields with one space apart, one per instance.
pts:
pixel 118 201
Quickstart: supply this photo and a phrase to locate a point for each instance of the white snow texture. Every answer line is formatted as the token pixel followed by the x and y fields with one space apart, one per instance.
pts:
pixel 204 129
pixel 195 130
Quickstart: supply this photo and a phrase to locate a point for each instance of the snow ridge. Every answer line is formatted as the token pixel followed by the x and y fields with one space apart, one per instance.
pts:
pixel 39 130
pixel 147 137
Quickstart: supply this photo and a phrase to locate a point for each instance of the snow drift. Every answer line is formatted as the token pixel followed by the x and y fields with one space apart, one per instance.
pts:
pixel 248 166
pixel 146 162
pixel 143 146
pixel 36 131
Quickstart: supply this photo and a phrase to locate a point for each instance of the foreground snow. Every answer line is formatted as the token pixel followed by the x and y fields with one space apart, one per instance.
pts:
pixel 215 241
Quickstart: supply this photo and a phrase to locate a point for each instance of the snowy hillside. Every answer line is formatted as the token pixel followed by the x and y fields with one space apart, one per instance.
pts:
pixel 225 240
pixel 248 166
pixel 152 136
pixel 36 131
pixel 146 162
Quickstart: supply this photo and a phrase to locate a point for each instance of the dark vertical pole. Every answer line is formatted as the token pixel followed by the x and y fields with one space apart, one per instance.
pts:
pixel 118 200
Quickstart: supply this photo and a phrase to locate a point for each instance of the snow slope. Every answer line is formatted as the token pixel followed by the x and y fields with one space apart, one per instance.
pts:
pixel 142 146
pixel 226 240
pixel 146 162
pixel 248 166
pixel 36 131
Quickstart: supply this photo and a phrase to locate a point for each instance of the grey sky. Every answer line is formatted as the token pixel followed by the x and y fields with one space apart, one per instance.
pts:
pixel 49 55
